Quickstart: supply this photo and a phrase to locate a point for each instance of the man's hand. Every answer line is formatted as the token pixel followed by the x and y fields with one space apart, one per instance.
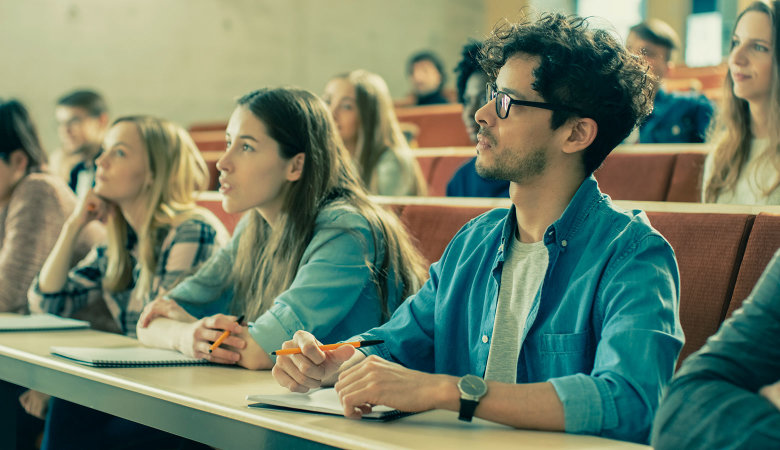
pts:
pixel 376 381
pixel 163 307
pixel 311 368
pixel 772 393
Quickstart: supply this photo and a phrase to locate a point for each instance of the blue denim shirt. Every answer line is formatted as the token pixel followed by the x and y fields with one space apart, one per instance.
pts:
pixel 604 327
pixel 332 296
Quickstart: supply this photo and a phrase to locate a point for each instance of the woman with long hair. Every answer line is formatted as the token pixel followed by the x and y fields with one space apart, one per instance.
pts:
pixel 363 111
pixel 311 251
pixel 745 165
pixel 145 186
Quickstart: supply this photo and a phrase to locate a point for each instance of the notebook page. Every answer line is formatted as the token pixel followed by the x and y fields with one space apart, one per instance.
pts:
pixel 324 400
pixel 39 322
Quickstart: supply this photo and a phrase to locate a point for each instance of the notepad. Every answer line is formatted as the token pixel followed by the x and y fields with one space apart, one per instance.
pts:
pixel 125 356
pixel 39 322
pixel 322 401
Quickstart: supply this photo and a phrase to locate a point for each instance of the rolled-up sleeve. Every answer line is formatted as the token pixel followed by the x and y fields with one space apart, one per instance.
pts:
pixel 641 338
pixel 713 401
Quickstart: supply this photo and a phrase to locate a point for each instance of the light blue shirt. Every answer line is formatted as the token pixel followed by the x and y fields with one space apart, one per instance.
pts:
pixel 332 296
pixel 604 327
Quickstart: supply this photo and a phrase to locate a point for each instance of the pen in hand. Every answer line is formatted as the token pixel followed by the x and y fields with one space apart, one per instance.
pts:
pixel 224 336
pixel 356 344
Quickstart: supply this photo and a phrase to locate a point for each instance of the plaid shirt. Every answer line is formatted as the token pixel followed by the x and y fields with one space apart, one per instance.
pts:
pixel 182 250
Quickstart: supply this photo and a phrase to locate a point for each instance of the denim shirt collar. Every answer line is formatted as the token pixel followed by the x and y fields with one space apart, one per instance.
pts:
pixel 560 232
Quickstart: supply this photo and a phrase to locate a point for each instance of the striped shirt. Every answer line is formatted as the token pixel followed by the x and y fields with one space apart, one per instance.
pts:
pixel 182 250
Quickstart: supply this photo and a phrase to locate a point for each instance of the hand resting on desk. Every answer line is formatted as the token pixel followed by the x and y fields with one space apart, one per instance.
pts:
pixel 164 323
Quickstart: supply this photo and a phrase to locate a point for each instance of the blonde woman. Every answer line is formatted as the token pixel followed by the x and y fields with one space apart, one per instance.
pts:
pixel 363 111
pixel 145 186
pixel 311 251
pixel 745 166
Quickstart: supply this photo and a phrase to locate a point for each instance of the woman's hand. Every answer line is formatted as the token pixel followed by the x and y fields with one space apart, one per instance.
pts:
pixel 164 307
pixel 197 338
pixel 91 207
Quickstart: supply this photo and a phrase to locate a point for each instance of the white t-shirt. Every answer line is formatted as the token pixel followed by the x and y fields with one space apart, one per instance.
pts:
pixel 756 177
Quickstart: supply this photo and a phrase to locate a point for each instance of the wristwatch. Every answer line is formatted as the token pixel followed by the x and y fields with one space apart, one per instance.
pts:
pixel 472 389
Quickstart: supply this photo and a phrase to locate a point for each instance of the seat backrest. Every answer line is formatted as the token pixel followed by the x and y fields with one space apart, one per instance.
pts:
pixel 433 226
pixel 762 244
pixel 708 247
pixel 636 176
pixel 439 125
pixel 686 182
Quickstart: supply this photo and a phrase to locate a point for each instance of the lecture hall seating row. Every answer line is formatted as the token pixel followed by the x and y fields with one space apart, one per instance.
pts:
pixel 721 249
pixel 646 172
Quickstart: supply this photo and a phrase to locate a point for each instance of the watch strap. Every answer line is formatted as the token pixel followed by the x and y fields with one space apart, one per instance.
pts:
pixel 467 408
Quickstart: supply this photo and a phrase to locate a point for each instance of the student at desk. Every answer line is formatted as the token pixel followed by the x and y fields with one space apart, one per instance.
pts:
pixel 146 181
pixel 566 304
pixel 312 251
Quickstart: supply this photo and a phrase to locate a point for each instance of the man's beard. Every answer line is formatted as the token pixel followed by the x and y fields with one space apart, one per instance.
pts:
pixel 512 165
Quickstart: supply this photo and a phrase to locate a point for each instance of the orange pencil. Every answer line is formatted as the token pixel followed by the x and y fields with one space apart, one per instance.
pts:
pixel 224 336
pixel 357 344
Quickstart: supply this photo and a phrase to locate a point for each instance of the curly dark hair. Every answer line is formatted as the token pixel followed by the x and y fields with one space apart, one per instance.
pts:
pixel 584 69
pixel 468 64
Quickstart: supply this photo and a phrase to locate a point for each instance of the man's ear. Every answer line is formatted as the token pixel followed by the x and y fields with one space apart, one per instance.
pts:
pixel 18 160
pixel 295 167
pixel 583 131
pixel 103 120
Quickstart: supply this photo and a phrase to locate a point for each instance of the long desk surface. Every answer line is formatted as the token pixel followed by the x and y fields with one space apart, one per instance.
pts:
pixel 207 404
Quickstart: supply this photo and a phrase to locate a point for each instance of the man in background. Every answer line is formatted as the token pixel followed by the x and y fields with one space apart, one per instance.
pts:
pixel 471 84
pixel 426 74
pixel 82 118
pixel 677 117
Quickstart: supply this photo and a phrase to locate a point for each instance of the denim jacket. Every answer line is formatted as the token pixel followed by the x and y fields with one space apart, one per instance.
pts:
pixel 604 327
pixel 332 296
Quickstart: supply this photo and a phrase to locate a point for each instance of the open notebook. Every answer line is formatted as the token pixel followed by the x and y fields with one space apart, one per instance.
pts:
pixel 39 322
pixel 323 401
pixel 125 356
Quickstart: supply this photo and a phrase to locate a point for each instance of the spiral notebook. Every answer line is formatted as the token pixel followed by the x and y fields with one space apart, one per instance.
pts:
pixel 322 401
pixel 39 322
pixel 125 356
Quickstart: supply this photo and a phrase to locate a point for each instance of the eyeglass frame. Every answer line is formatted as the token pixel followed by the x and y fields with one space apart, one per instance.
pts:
pixel 491 88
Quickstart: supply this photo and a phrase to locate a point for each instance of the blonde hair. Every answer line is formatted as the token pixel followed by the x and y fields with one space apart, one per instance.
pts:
pixel 176 170
pixel 379 130
pixel 731 132
pixel 267 258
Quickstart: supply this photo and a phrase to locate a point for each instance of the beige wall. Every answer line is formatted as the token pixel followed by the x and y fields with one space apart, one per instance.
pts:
pixel 674 13
pixel 188 59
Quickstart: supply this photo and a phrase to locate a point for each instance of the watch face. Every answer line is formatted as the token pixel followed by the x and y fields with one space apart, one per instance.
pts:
pixel 472 385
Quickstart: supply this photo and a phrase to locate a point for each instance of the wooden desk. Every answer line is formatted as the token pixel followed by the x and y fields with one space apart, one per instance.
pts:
pixel 208 404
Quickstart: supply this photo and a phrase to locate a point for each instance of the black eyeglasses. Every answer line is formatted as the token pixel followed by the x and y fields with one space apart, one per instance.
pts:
pixel 504 102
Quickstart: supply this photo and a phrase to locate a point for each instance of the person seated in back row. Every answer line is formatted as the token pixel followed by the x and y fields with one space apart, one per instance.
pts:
pixel 360 104
pixel 466 182
pixel 677 117
pixel 727 395
pixel 82 118
pixel 744 167
pixel 567 305
pixel 426 75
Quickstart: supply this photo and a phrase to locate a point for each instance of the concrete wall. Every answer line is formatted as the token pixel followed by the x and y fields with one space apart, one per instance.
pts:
pixel 187 60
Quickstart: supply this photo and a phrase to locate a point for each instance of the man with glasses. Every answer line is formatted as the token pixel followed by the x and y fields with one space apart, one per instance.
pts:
pixel 566 305
pixel 82 118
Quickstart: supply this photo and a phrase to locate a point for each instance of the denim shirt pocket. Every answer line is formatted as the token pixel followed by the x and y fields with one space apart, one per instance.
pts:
pixel 563 354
